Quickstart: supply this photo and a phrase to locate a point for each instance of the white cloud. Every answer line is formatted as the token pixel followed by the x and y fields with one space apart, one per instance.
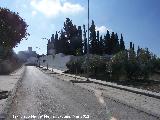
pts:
pixel 71 8
pixel 52 8
pixel 102 29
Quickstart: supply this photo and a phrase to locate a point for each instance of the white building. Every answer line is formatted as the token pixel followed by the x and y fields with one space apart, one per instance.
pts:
pixel 29 56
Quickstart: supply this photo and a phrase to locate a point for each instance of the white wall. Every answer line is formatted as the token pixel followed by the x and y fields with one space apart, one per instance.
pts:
pixel 58 61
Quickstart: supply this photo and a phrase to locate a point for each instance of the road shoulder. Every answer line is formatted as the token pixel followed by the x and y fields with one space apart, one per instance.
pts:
pixel 8 88
pixel 142 102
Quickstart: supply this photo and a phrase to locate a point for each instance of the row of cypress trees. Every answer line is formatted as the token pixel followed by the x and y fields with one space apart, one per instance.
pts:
pixel 109 44
pixel 73 40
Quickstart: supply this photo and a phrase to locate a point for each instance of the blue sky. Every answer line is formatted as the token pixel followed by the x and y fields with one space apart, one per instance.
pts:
pixel 137 20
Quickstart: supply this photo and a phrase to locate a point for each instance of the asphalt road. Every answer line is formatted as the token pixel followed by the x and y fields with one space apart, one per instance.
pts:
pixel 44 97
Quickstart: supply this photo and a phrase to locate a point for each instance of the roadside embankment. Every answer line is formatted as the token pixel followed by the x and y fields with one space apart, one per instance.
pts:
pixel 8 87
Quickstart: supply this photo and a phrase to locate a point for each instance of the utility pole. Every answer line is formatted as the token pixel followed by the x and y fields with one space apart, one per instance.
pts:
pixel 88 47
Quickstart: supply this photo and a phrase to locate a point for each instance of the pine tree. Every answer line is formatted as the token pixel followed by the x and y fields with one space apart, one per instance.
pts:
pixel 69 28
pixel 68 35
pixel 73 37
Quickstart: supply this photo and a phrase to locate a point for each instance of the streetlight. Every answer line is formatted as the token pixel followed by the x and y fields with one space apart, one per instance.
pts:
pixel 88 47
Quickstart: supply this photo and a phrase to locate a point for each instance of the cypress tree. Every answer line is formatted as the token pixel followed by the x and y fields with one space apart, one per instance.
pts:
pixel 116 46
pixel 138 51
pixel 131 45
pixel 122 46
pixel 111 44
pixel 101 45
pixel 63 45
pixel 56 44
pixel 106 42
pixel 73 40
pixel 98 47
pixel 79 44
pixel 94 43
pixel 52 38
pixel 97 35
pixel 84 40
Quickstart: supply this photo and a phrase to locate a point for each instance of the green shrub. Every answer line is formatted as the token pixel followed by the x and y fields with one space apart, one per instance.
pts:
pixel 127 64
pixel 118 63
pixel 74 65
pixel 96 65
